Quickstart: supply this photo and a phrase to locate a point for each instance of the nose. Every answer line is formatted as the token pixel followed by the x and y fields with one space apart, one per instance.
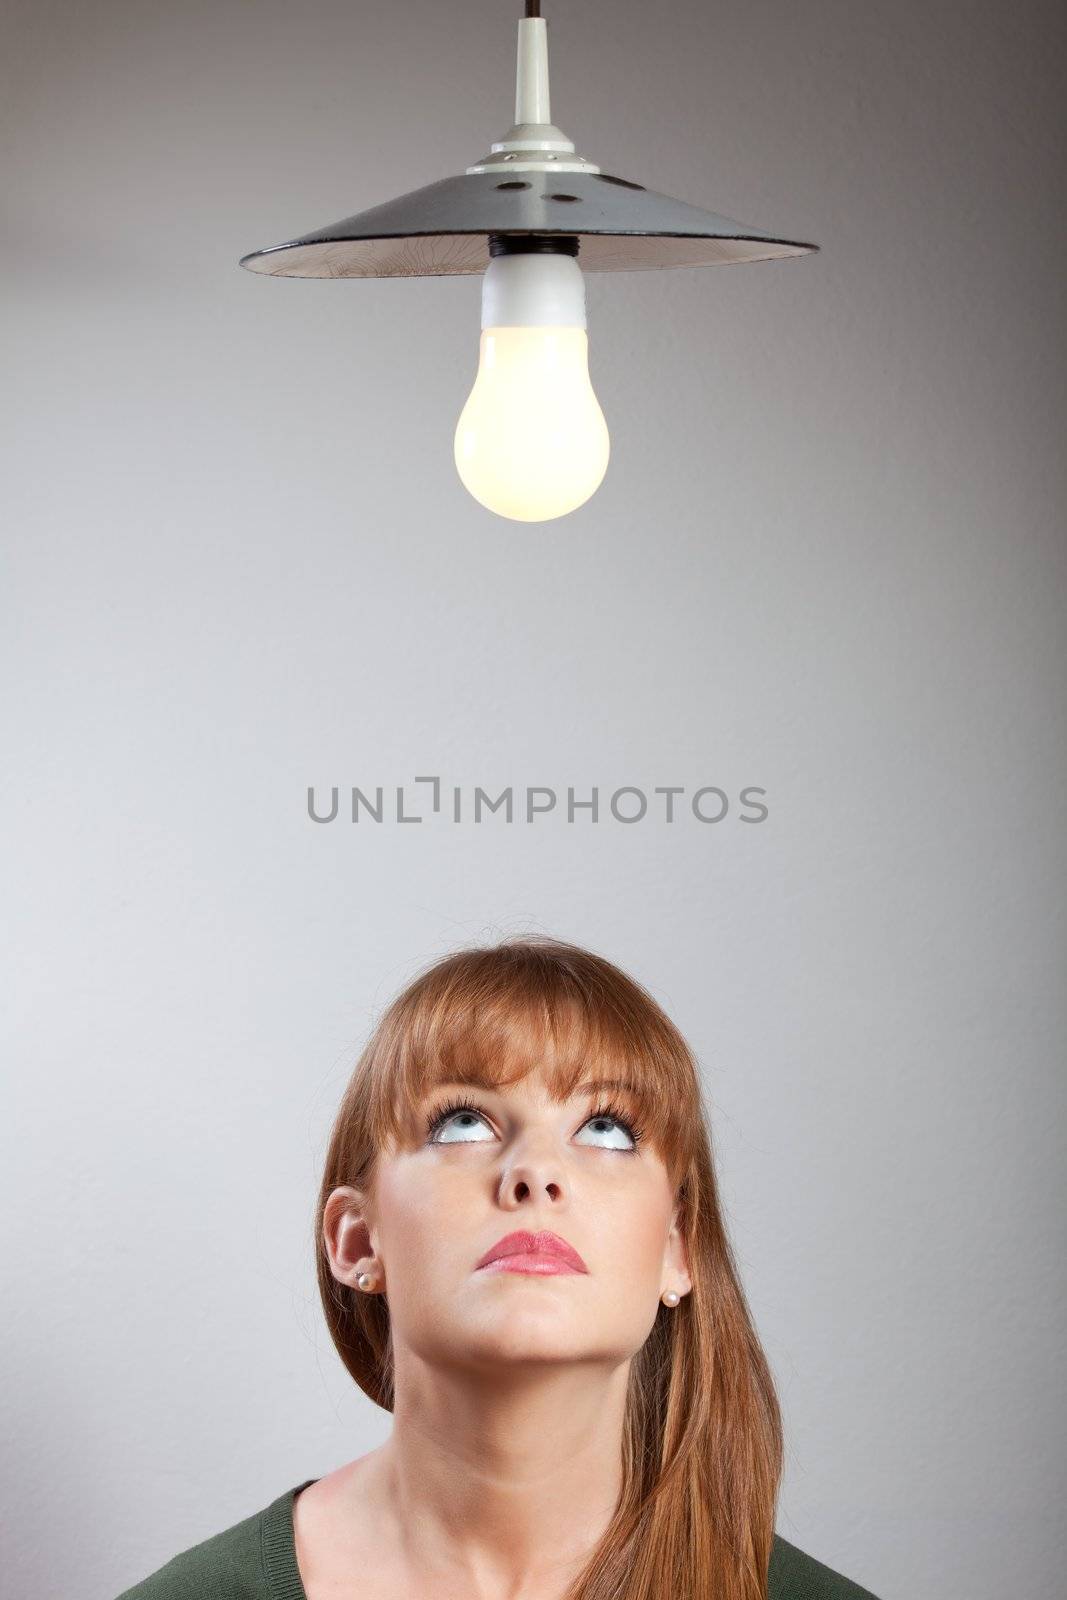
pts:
pixel 521 1186
pixel 534 1172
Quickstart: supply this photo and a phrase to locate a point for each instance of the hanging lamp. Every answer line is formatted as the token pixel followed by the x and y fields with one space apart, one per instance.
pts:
pixel 531 442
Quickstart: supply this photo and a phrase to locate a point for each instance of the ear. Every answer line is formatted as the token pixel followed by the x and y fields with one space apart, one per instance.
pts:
pixel 347 1234
pixel 676 1255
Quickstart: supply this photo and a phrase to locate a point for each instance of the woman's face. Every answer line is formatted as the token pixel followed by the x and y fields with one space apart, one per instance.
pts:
pixel 515 1161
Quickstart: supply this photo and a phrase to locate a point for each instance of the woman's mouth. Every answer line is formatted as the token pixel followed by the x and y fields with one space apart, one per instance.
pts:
pixel 535 1261
pixel 542 1253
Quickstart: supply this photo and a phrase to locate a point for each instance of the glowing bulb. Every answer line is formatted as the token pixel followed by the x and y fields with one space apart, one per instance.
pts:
pixel 531 442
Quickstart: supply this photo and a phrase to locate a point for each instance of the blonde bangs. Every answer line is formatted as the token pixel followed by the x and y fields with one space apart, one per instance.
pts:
pixel 479 1020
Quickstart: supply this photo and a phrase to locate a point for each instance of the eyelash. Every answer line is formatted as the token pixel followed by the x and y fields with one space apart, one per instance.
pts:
pixel 605 1109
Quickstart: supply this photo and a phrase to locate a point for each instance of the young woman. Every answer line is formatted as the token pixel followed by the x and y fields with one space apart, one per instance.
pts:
pixel 521 1255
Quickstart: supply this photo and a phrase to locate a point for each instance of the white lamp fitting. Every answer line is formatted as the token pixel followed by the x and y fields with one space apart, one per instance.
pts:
pixel 533 143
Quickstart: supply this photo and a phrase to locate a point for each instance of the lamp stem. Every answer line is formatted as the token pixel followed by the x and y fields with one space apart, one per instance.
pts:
pixel 531 71
pixel 533 143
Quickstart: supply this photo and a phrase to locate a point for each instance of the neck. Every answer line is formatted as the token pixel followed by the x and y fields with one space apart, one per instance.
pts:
pixel 501 1484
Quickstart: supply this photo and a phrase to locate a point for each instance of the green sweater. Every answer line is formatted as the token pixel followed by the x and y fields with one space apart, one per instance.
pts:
pixel 256 1560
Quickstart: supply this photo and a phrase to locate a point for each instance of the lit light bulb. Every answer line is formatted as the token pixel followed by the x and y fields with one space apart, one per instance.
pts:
pixel 531 442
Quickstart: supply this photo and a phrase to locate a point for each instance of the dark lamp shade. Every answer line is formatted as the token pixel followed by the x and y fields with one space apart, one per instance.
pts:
pixel 444 228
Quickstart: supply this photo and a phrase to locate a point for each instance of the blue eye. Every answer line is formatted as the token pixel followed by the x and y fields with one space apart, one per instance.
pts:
pixel 449 1114
pixel 620 1122
pixel 456 1109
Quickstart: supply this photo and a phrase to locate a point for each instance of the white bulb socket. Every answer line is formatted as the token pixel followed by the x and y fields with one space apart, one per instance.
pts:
pixel 533 289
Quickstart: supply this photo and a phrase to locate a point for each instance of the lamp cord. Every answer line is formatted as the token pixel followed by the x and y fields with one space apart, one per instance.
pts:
pixel 533 8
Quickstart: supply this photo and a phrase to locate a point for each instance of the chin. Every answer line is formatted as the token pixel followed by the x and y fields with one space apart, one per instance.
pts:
pixel 530 1334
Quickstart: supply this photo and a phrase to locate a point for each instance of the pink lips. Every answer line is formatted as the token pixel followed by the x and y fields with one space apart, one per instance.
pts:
pixel 532 1252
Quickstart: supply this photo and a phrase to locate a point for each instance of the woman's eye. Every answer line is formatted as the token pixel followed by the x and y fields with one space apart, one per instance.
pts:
pixel 470 1119
pixel 617 1128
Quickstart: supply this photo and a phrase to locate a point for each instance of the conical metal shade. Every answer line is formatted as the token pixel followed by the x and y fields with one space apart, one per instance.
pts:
pixel 443 229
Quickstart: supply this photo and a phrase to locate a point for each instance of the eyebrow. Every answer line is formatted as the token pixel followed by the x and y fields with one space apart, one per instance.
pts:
pixel 477 1081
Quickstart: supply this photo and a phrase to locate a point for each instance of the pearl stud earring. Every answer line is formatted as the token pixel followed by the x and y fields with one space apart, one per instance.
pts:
pixel 670 1297
pixel 365 1280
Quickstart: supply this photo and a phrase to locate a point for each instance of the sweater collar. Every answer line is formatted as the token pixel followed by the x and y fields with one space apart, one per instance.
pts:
pixel 279 1547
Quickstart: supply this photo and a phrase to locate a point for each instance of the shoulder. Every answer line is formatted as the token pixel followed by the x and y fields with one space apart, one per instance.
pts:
pixel 793 1575
pixel 227 1566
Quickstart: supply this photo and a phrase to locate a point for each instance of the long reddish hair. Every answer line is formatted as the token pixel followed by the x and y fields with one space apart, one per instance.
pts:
pixel 702 1435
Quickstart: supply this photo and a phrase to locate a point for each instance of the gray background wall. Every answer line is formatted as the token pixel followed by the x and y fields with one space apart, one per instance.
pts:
pixel 827 560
